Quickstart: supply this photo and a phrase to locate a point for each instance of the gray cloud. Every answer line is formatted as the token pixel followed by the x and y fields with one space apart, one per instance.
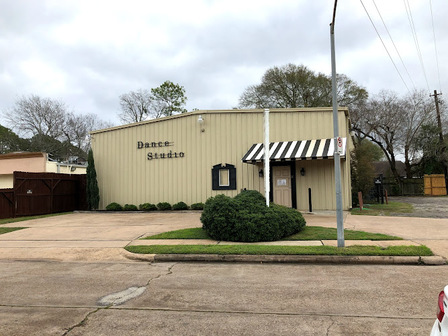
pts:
pixel 87 53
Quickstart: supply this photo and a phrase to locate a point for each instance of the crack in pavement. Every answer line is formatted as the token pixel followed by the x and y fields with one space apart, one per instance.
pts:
pixel 329 327
pixel 118 298
pixel 82 322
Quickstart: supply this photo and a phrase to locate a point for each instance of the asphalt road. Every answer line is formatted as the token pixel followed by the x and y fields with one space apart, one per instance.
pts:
pixel 68 298
pixel 66 275
pixel 425 206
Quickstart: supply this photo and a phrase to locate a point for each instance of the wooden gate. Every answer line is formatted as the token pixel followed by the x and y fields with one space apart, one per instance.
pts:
pixel 435 185
pixel 7 203
pixel 43 193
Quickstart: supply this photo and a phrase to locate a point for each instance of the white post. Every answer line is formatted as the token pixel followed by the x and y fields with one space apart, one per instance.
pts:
pixel 266 156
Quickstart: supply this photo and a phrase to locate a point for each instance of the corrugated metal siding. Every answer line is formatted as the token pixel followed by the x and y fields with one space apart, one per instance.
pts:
pixel 126 176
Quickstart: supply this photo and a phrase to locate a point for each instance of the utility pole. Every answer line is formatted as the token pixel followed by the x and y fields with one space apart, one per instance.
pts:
pixel 441 141
pixel 337 159
pixel 439 121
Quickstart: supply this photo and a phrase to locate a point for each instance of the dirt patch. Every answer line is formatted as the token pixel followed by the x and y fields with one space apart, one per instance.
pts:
pixel 429 207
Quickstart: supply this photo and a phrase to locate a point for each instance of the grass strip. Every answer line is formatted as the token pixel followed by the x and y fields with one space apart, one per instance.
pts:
pixel 20 219
pixel 192 233
pixel 308 233
pixel 282 250
pixel 324 233
pixel 393 208
pixel 4 230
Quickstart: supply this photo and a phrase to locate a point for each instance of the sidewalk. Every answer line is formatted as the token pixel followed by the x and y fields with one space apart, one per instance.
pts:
pixel 384 260
pixel 384 243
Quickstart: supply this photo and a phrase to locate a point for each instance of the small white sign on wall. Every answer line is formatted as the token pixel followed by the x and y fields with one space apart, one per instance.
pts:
pixel 281 182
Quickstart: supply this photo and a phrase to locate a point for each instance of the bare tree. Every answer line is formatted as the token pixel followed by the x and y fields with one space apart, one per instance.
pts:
pixel 33 115
pixel 166 100
pixel 393 123
pixel 135 106
pixel 419 111
pixel 381 121
pixel 77 129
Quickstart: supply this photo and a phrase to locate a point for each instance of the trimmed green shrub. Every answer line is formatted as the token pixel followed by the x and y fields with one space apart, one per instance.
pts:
pixel 147 207
pixel 197 206
pixel 114 207
pixel 180 206
pixel 246 218
pixel 163 206
pixel 130 207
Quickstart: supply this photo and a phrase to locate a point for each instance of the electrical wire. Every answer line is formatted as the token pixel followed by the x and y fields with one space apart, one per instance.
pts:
pixel 384 45
pixel 393 43
pixel 435 45
pixel 414 34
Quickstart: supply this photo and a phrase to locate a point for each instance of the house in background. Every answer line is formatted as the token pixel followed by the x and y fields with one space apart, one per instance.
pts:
pixel 31 162
pixel 383 168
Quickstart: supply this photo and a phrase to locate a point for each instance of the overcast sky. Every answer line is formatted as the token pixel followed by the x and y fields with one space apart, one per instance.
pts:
pixel 87 53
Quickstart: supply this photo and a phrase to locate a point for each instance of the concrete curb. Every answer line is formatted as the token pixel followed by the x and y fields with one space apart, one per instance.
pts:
pixel 138 257
pixel 296 259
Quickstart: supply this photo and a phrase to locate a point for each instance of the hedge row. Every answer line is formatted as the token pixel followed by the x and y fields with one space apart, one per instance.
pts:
pixel 246 218
pixel 162 206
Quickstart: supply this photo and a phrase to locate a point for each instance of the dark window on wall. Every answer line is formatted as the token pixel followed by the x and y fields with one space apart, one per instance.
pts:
pixel 224 177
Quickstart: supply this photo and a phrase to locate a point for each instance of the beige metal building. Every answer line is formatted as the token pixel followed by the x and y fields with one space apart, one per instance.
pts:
pixel 193 156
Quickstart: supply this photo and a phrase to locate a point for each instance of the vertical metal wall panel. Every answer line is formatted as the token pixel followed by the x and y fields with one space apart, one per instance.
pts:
pixel 125 175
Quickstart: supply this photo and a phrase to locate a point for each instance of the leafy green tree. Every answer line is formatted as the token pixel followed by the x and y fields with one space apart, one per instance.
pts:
pixel 93 192
pixel 168 99
pixel 59 151
pixel 297 86
pixel 11 142
pixel 363 170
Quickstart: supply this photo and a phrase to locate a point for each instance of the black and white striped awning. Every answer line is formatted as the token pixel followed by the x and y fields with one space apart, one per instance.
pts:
pixel 295 150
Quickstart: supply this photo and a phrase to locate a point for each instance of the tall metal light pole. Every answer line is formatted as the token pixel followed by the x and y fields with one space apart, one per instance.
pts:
pixel 337 159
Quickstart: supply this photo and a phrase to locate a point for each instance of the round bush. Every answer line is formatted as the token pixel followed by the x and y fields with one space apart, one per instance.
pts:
pixel 163 206
pixel 114 207
pixel 130 207
pixel 246 218
pixel 197 206
pixel 180 206
pixel 147 207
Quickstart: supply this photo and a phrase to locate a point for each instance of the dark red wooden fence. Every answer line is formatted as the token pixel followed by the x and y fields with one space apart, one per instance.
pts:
pixel 43 193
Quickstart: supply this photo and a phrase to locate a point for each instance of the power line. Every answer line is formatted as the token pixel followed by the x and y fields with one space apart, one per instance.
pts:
pixel 384 45
pixel 393 43
pixel 435 44
pixel 414 34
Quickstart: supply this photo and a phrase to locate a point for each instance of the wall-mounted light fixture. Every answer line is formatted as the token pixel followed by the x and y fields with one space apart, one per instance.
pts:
pixel 261 173
pixel 302 171
pixel 201 122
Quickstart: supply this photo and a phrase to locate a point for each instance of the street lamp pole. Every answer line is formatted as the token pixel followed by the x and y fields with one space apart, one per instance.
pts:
pixel 337 159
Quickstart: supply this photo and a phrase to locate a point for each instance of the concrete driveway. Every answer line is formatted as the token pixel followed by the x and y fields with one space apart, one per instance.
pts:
pixel 102 236
pixel 88 236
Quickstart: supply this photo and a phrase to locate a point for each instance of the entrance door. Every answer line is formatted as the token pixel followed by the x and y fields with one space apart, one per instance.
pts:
pixel 281 176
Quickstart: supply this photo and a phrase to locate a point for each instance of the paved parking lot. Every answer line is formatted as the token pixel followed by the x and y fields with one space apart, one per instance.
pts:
pixel 101 236
pixel 424 206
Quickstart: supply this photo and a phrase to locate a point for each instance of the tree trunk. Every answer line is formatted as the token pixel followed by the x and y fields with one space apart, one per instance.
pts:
pixel 407 163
